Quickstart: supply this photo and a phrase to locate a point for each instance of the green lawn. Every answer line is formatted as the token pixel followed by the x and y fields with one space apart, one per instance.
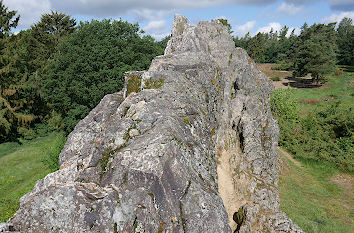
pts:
pixel 336 87
pixel 22 165
pixel 314 202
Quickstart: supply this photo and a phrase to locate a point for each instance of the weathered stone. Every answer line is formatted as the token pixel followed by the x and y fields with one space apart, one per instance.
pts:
pixel 133 133
pixel 7 228
pixel 187 146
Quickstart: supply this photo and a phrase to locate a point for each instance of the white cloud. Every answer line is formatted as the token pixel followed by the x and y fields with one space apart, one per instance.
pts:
pixel 338 17
pixel 242 30
pixel 160 36
pixel 157 29
pixel 155 25
pixel 289 8
pixel 274 25
pixel 148 14
pixel 30 11
pixel 221 17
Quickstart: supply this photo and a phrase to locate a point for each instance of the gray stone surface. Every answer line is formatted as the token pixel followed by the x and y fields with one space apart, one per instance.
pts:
pixel 182 148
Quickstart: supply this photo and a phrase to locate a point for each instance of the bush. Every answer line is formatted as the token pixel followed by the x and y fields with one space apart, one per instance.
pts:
pixel 275 78
pixel 39 130
pixel 324 135
pixel 52 159
pixel 55 120
pixel 26 133
pixel 286 104
pixel 338 73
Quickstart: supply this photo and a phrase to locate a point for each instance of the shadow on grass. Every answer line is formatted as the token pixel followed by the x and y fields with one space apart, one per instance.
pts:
pixel 346 68
pixel 300 82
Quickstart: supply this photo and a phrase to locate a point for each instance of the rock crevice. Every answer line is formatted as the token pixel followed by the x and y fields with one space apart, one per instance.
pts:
pixel 187 146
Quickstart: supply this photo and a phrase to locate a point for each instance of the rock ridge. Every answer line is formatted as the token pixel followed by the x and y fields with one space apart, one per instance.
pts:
pixel 187 146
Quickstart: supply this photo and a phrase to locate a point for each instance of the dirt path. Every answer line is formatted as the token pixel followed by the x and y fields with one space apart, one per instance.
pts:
pixel 226 186
pixel 290 157
pixel 345 181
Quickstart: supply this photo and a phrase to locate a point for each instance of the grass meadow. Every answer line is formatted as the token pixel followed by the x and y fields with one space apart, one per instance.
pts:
pixel 22 165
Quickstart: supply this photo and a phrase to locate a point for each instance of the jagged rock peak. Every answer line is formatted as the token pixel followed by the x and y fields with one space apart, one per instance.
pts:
pixel 187 146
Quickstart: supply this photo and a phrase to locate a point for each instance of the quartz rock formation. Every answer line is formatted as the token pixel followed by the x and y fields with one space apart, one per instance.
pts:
pixel 187 146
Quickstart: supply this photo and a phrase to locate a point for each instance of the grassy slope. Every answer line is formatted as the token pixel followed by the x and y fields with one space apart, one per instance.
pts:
pixel 21 166
pixel 307 195
pixel 312 201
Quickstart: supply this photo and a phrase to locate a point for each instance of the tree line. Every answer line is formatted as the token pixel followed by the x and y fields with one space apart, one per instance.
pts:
pixel 316 50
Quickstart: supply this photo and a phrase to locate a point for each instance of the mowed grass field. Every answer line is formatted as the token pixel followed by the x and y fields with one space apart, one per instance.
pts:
pixel 22 165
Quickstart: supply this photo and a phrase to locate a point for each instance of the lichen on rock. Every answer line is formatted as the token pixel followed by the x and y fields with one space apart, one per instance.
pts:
pixel 187 146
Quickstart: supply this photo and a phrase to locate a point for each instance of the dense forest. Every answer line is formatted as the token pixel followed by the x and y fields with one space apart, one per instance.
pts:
pixel 54 73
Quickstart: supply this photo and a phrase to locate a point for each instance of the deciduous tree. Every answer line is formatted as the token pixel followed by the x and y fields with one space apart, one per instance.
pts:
pixel 91 63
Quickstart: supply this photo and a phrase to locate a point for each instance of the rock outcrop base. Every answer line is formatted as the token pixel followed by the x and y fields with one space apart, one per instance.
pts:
pixel 187 146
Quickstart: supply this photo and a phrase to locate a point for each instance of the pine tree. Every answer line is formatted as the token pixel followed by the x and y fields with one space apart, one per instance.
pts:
pixel 345 42
pixel 6 20
pixel 316 51
pixel 284 44
pixel 243 41
pixel 256 47
pixel 51 29
pixel 23 60
pixel 15 103
pixel 9 88
pixel 271 47
pixel 290 52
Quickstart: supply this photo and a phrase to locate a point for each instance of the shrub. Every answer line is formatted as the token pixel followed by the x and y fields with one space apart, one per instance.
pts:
pixel 26 133
pixel 338 73
pixel 275 78
pixel 39 130
pixel 324 135
pixel 312 101
pixel 55 120
pixel 286 104
pixel 52 160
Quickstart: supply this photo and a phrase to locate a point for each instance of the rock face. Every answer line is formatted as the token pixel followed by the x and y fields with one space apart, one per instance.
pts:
pixel 187 146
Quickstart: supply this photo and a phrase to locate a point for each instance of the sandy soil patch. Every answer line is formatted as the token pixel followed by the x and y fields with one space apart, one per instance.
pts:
pixel 226 186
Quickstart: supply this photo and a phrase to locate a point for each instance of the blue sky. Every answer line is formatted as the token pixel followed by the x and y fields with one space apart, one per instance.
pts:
pixel 156 17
